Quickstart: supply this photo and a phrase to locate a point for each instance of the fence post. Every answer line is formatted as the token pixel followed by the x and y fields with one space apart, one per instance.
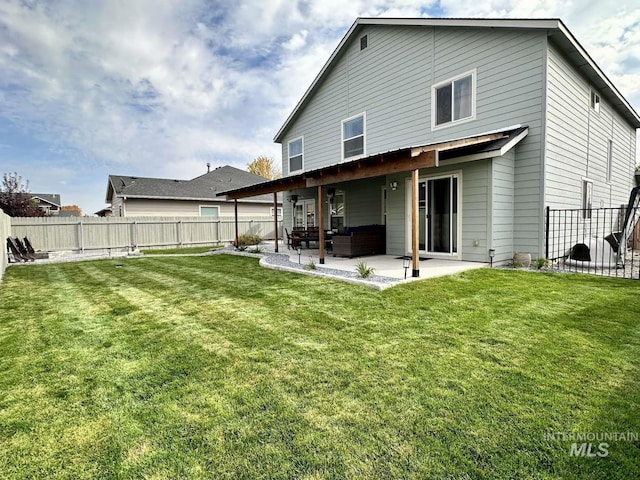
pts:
pixel 81 236
pixel 546 232
pixel 179 232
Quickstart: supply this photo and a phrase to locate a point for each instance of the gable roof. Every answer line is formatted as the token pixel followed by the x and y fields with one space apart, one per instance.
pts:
pixel 557 30
pixel 202 188
pixel 50 198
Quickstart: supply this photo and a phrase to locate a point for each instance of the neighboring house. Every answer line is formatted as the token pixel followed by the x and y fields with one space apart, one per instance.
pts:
pixel 105 212
pixel 456 134
pixel 47 202
pixel 141 196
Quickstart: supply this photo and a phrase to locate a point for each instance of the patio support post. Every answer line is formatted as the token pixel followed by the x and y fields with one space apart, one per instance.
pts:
pixel 275 216
pixel 414 224
pixel 235 213
pixel 321 224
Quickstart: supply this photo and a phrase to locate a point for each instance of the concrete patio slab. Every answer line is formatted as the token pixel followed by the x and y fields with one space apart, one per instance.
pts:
pixel 384 265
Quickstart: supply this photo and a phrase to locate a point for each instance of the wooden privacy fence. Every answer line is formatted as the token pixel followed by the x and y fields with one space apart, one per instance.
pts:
pixel 105 233
pixel 5 231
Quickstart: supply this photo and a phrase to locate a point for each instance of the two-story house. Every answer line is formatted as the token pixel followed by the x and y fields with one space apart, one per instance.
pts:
pixel 455 134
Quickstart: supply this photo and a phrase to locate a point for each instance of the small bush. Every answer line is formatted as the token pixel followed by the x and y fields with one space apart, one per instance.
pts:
pixel 247 239
pixel 311 265
pixel 363 270
pixel 517 264
pixel 541 263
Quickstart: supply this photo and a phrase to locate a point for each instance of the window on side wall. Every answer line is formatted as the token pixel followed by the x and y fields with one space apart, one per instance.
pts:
pixel 454 100
pixel 296 160
pixel 279 212
pixel 587 198
pixel 353 136
pixel 209 211
pixel 595 102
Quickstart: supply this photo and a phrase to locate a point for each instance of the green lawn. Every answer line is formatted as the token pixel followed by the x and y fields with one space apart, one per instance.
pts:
pixel 180 251
pixel 211 367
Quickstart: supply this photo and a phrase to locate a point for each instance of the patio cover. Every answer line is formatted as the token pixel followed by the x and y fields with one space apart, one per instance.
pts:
pixel 407 159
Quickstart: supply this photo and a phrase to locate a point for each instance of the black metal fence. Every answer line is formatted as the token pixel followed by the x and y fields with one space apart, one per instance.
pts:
pixel 602 241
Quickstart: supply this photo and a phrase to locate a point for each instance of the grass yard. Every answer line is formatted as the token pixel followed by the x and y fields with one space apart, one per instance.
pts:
pixel 211 367
pixel 180 251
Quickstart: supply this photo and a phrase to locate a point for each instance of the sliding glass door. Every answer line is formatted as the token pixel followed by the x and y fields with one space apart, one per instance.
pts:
pixel 438 215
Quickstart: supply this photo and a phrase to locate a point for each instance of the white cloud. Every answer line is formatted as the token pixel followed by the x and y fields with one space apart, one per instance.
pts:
pixel 160 88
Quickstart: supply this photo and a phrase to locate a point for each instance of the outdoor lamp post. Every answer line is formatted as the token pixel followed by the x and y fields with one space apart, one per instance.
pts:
pixel 492 253
pixel 298 250
pixel 406 263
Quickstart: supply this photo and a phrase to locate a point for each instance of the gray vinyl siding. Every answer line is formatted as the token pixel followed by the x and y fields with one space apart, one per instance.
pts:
pixel 502 206
pixel 391 81
pixel 577 142
pixel 475 210
pixel 474 178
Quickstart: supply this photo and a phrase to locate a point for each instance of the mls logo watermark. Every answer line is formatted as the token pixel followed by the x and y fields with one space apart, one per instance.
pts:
pixel 589 450
pixel 591 444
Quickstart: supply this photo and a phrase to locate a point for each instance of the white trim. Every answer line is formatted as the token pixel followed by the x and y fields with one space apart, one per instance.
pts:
pixel 200 207
pixel 280 212
pixel 301 138
pixel 456 255
pixel 473 73
pixel 364 137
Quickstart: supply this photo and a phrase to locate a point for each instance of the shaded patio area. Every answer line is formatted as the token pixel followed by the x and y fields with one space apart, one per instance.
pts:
pixel 384 265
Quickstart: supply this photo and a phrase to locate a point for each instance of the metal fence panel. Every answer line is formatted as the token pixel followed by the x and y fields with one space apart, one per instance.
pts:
pixel 591 241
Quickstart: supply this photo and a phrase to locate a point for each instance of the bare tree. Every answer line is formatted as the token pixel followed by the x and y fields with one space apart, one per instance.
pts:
pixel 15 200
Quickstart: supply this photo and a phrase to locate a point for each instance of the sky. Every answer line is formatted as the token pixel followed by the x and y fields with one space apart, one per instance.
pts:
pixel 161 88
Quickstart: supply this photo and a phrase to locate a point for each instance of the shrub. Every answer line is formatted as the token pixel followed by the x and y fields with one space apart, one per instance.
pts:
pixel 541 263
pixel 247 239
pixel 363 270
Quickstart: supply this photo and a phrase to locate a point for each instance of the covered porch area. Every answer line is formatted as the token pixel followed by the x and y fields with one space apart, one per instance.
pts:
pixel 407 175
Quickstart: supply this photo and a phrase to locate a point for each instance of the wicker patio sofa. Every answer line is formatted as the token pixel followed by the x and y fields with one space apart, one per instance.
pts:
pixel 360 241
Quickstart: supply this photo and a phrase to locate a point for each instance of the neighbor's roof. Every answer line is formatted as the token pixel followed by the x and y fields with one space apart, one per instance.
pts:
pixel 557 31
pixel 202 188
pixel 51 198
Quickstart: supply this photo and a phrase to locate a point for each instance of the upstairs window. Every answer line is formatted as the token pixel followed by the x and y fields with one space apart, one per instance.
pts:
pixel 454 100
pixel 353 136
pixel 595 101
pixel 295 155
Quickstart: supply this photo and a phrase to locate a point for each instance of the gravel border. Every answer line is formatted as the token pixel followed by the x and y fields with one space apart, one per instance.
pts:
pixel 282 262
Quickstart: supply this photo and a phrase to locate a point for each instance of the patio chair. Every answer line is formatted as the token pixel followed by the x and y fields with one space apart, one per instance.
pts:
pixel 23 250
pixel 292 241
pixel 28 246
pixel 14 252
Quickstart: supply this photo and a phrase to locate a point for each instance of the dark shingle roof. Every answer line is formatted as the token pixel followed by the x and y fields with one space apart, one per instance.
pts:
pixel 52 198
pixel 204 187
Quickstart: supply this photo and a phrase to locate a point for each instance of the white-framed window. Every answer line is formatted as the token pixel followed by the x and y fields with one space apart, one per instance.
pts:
pixel 609 160
pixel 454 100
pixel 296 155
pixel 587 198
pixel 595 102
pixel 279 212
pixel 209 211
pixel 353 136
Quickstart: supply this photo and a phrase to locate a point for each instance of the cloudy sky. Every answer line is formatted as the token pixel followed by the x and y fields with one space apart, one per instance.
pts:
pixel 160 88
